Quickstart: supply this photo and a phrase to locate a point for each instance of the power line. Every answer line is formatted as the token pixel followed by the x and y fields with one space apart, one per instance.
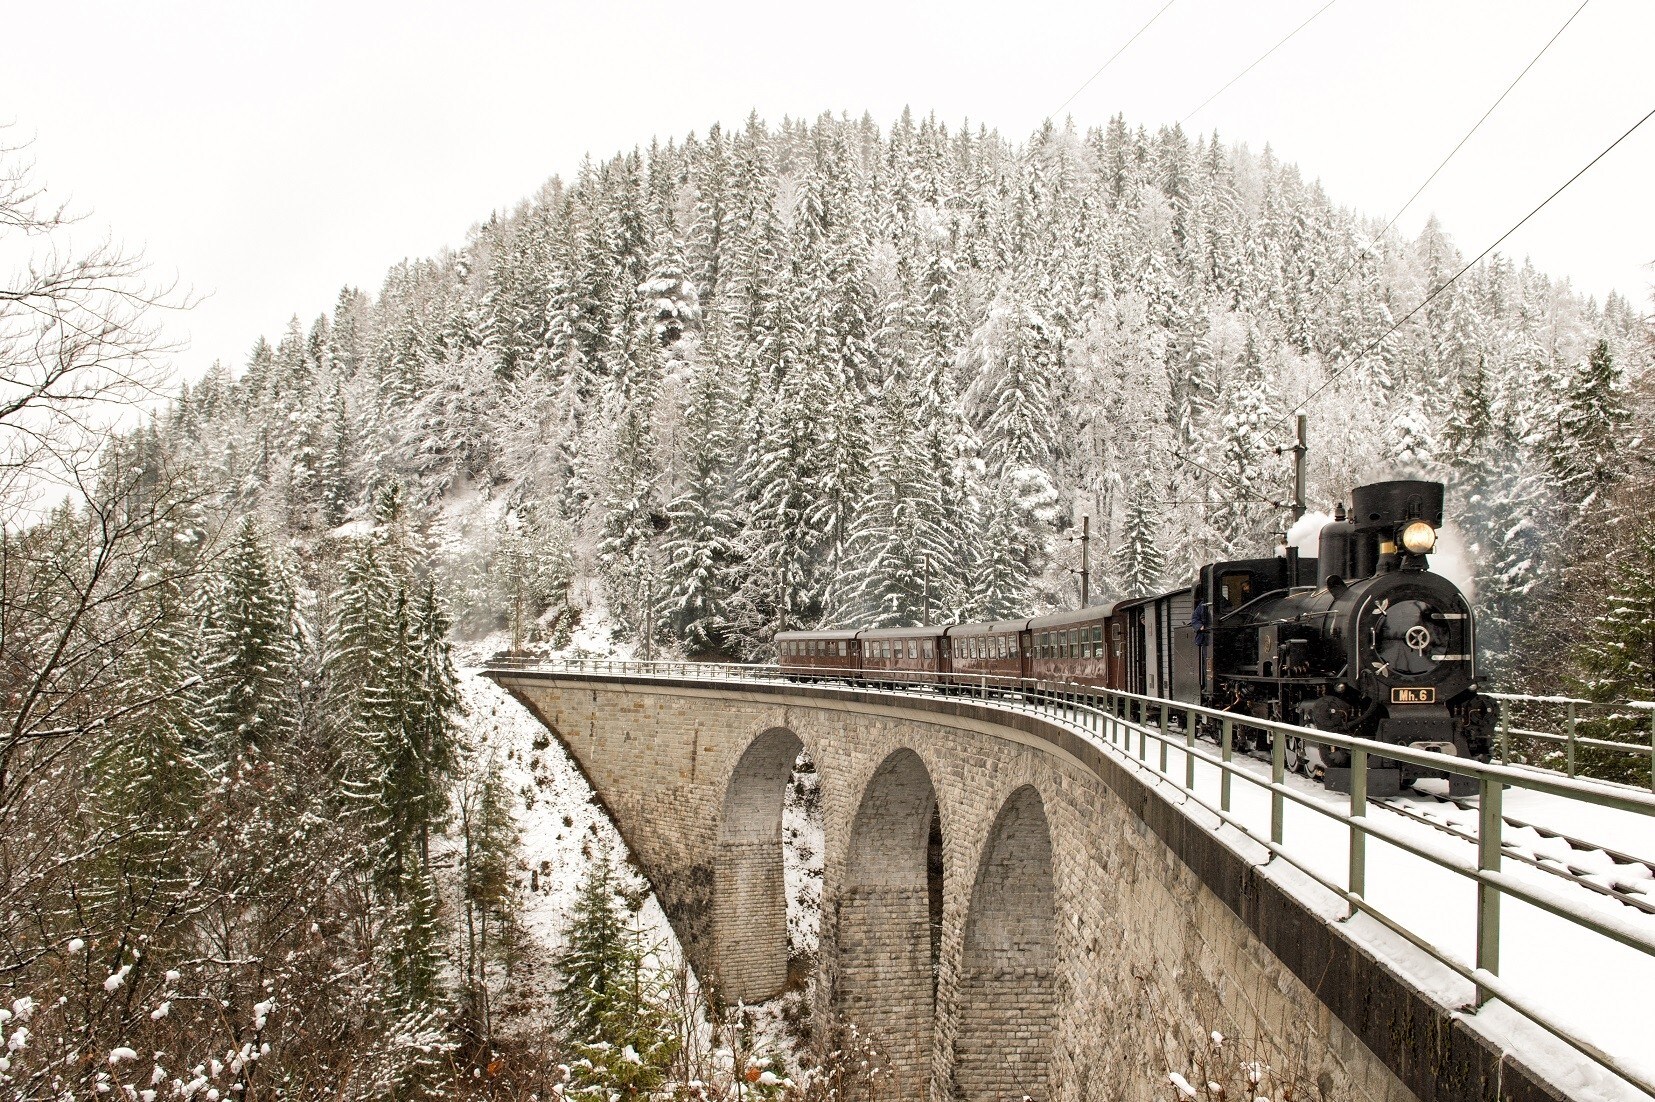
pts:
pixel 1183 458
pixel 1111 60
pixel 1380 236
pixel 1482 120
pixel 1258 61
pixel 1449 282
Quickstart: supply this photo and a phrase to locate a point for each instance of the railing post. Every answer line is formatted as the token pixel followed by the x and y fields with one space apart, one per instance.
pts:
pixel 1571 748
pixel 1226 751
pixel 1652 749
pixel 1189 751
pixel 1166 714
pixel 1505 733
pixel 1358 879
pixel 1278 776
pixel 1489 826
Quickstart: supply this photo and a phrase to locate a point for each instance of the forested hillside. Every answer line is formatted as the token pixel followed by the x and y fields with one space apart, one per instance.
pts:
pixel 760 376
pixel 772 377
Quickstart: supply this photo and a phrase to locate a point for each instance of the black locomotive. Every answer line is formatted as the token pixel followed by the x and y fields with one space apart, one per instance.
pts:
pixel 1362 640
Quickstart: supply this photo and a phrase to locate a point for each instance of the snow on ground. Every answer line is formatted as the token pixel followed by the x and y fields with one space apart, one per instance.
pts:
pixel 561 828
pixel 802 844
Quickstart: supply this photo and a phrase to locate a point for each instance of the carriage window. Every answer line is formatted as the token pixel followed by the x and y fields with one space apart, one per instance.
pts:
pixel 1044 650
pixel 1074 643
pixel 843 648
pixel 913 649
pixel 976 648
pixel 1013 647
pixel 999 646
pixel 928 648
pixel 1097 635
pixel 885 649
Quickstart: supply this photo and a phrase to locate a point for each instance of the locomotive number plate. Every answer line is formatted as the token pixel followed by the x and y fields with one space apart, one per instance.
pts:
pixel 1414 696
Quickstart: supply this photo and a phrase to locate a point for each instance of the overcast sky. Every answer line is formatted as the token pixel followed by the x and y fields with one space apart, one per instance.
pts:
pixel 268 156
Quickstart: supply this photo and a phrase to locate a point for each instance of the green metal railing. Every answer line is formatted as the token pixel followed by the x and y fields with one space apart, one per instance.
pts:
pixel 1127 723
pixel 1552 722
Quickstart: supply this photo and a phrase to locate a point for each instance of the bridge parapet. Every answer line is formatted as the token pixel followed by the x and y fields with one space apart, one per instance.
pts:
pixel 1157 928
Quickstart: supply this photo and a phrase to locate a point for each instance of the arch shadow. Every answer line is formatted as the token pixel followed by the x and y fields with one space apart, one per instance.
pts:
pixel 1005 1040
pixel 749 889
pixel 889 917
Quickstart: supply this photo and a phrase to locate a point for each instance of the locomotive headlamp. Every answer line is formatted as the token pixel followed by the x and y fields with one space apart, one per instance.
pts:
pixel 1419 537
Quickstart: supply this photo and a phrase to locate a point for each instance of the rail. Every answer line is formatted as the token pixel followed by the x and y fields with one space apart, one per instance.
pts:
pixel 1131 725
pixel 1573 713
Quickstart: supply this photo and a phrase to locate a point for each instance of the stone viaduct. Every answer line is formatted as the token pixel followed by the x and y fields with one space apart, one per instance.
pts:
pixel 1011 911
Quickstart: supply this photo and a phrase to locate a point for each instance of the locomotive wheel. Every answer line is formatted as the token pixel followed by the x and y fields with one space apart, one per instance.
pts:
pixel 1294 754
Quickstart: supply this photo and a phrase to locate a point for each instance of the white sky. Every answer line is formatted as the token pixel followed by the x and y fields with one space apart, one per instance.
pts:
pixel 269 156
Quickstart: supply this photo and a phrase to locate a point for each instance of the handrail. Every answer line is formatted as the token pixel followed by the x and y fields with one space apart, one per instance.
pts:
pixel 1116 720
pixel 1571 740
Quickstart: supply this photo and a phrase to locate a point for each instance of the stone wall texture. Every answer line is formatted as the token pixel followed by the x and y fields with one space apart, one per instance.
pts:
pixel 1092 936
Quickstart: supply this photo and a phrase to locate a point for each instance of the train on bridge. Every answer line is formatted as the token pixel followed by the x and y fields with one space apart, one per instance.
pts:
pixel 1362 640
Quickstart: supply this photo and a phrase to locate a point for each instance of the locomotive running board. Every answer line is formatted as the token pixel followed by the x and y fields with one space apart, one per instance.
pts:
pixel 1381 782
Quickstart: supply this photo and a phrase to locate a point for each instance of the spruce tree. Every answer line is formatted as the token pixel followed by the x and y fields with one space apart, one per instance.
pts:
pixel 610 994
pixel 699 550
pixel 1137 562
pixel 1587 450
pixel 249 646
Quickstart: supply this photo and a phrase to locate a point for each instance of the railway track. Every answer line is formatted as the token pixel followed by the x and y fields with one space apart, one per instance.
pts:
pixel 1621 888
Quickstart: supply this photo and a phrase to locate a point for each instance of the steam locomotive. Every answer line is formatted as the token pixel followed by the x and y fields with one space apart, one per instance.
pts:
pixel 1363 640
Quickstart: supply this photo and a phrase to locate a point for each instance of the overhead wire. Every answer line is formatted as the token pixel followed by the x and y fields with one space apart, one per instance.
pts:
pixel 1478 124
pixel 1111 61
pixel 1258 61
pixel 1367 249
pixel 1449 282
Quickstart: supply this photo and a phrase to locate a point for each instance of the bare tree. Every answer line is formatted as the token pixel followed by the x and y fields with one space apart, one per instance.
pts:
pixel 80 345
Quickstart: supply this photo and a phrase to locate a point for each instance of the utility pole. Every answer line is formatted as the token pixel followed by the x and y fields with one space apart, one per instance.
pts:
pixel 925 608
pixel 1085 571
pixel 781 601
pixel 1085 561
pixel 1299 448
pixel 649 614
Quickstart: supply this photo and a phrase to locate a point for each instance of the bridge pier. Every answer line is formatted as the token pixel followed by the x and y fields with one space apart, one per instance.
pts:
pixel 1008 1000
pixel 886 945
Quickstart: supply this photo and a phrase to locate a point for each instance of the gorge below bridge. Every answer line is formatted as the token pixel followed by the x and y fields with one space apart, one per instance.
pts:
pixel 1008 908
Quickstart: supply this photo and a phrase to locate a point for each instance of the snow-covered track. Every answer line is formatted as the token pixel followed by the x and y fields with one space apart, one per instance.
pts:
pixel 1575 874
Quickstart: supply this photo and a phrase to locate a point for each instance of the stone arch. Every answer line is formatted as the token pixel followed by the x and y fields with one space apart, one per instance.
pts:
pixel 1005 1041
pixel 749 889
pixel 889 916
